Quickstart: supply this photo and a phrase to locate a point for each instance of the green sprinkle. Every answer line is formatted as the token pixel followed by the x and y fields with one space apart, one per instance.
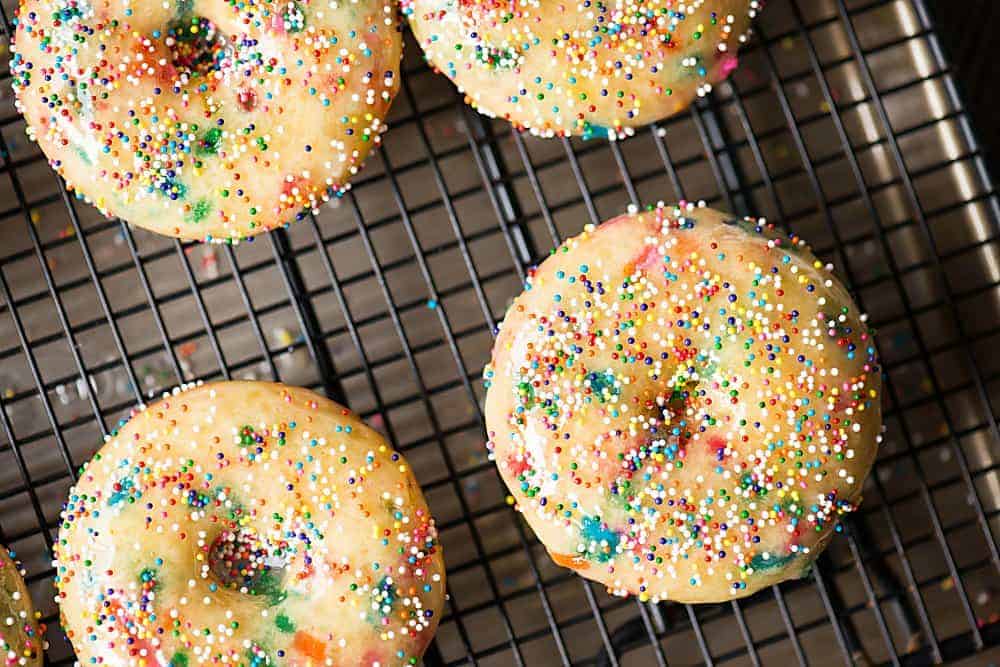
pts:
pixel 200 210
pixel 284 623
pixel 210 142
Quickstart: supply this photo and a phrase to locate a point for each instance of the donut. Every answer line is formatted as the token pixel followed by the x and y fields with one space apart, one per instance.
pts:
pixel 252 524
pixel 591 67
pixel 23 636
pixel 206 119
pixel 684 404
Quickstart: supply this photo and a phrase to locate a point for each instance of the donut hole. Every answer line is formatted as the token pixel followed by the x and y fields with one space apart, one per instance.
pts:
pixel 239 559
pixel 197 47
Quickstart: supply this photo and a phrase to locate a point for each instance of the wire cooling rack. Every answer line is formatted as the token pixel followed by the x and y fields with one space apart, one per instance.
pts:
pixel 964 41
pixel 843 123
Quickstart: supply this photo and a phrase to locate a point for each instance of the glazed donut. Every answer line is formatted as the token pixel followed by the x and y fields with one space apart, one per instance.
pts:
pixel 248 523
pixel 23 636
pixel 589 67
pixel 206 119
pixel 684 404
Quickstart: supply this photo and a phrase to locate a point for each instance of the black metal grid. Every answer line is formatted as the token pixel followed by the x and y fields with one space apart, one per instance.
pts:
pixel 842 123
pixel 963 41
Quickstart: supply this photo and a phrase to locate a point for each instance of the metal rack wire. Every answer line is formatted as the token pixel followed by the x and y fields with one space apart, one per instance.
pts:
pixel 842 123
pixel 963 41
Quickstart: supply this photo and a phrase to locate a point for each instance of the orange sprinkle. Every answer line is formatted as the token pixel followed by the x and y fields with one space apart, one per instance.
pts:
pixel 309 646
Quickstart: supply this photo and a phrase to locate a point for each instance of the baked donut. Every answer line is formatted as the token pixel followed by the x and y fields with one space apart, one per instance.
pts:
pixel 248 523
pixel 23 636
pixel 206 119
pixel 592 67
pixel 684 404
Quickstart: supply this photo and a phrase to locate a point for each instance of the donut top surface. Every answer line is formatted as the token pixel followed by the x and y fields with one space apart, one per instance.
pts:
pixel 22 636
pixel 253 524
pixel 591 67
pixel 683 404
pixel 206 119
